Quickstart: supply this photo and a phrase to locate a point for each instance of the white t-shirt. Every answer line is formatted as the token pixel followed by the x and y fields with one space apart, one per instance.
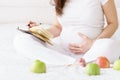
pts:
pixel 84 16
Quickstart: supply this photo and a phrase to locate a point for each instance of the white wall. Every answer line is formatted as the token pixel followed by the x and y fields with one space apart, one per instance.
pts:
pixel 118 9
pixel 117 3
pixel 25 10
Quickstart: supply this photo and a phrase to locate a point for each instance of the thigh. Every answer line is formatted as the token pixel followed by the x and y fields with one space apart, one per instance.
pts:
pixel 30 47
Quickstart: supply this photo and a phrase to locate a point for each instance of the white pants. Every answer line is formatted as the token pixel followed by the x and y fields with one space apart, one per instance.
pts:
pixel 33 48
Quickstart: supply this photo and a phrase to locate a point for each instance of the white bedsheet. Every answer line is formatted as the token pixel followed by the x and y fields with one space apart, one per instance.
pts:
pixel 14 66
pixel 77 73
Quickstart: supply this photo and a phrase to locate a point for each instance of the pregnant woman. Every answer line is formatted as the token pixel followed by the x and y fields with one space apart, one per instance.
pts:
pixel 81 31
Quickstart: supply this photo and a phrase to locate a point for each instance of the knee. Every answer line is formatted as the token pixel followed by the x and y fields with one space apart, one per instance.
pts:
pixel 105 41
pixel 105 47
pixel 110 48
pixel 102 44
pixel 21 39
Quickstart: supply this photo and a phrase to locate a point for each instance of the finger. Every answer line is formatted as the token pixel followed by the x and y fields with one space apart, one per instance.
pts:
pixel 76 50
pixel 74 45
pixel 82 35
pixel 28 24
pixel 31 22
pixel 79 51
pixel 32 25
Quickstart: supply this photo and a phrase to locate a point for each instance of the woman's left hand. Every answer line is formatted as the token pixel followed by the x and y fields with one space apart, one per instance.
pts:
pixel 83 47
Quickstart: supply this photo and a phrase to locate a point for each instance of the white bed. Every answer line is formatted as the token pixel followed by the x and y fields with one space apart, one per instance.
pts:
pixel 14 66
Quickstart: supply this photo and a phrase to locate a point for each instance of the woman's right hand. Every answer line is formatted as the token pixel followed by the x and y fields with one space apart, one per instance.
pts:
pixel 32 24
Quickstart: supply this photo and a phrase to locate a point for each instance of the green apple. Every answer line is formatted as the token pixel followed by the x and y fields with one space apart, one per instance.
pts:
pixel 92 69
pixel 116 65
pixel 38 67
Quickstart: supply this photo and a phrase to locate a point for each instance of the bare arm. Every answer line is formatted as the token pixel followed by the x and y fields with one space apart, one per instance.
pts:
pixel 112 24
pixel 56 28
pixel 112 21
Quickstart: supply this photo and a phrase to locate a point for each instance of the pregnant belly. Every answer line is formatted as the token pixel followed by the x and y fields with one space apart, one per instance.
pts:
pixel 68 37
pixel 71 36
